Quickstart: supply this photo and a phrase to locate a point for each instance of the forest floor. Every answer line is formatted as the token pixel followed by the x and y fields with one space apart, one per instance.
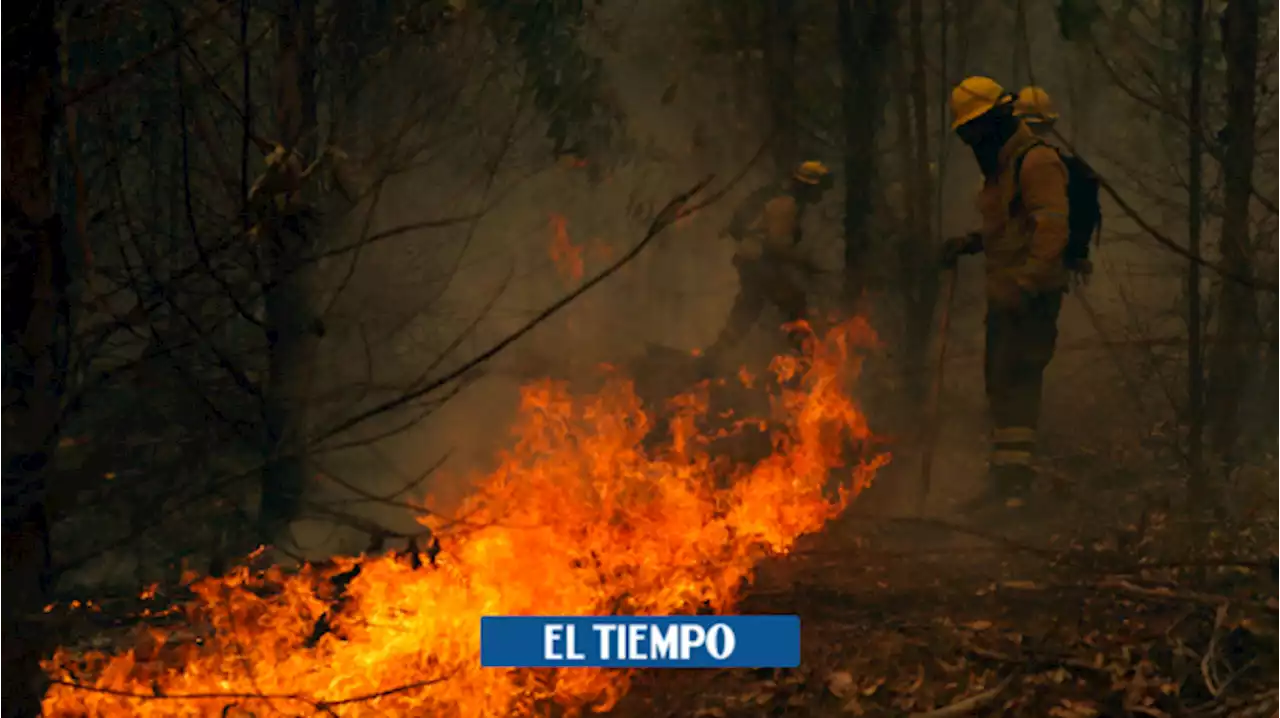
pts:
pixel 1095 599
pixel 1093 602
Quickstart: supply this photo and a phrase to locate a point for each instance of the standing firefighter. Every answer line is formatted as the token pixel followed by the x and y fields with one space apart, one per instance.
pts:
pixel 771 267
pixel 1024 235
pixel 1035 108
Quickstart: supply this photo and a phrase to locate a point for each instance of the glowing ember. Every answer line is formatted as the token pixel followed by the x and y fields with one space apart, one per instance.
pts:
pixel 579 519
pixel 566 255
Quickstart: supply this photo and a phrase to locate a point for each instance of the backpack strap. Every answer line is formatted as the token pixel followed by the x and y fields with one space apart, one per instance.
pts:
pixel 1017 168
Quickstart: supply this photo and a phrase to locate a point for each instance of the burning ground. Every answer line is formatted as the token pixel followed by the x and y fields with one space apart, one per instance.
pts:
pixel 582 517
pixel 1103 602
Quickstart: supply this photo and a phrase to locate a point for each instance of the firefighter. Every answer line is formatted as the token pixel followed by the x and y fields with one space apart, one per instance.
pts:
pixel 1024 234
pixel 771 267
pixel 1035 108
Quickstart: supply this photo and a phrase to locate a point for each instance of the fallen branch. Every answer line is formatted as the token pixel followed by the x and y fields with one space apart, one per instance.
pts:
pixel 1163 593
pixel 967 705
pixel 322 706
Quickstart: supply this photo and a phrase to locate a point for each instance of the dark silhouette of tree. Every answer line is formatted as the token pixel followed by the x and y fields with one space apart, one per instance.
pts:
pixel 863 36
pixel 36 327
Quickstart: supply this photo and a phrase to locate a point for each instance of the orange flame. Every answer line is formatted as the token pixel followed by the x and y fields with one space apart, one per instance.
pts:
pixel 579 519
pixel 566 255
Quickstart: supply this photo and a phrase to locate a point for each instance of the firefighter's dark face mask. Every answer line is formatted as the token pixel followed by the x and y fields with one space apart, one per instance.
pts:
pixel 987 134
pixel 813 193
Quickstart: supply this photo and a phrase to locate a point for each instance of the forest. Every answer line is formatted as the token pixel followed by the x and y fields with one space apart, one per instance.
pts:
pixel 330 327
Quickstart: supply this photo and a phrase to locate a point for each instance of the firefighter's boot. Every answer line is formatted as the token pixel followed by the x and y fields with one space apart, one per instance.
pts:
pixel 1007 488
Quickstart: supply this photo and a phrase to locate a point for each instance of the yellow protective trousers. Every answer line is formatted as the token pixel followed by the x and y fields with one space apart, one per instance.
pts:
pixel 1020 343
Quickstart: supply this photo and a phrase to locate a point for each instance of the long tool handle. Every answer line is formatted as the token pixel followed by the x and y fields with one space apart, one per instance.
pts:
pixel 931 409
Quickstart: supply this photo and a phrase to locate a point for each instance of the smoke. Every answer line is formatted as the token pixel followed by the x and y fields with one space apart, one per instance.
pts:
pixel 456 291
pixel 459 289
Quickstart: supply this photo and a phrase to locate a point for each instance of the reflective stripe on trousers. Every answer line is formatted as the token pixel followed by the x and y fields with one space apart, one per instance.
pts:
pixel 1012 446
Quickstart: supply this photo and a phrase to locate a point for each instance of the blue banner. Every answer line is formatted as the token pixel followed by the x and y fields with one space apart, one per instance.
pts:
pixel 640 641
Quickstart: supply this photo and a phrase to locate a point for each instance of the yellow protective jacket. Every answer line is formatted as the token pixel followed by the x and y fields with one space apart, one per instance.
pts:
pixel 775 234
pixel 1024 229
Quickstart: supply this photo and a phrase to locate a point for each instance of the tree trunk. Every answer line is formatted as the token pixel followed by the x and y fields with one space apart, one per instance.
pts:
pixel 780 67
pixel 1233 356
pixel 1196 488
pixel 1270 387
pixel 923 271
pixel 347 49
pixel 863 28
pixel 291 325
pixel 34 309
pixel 341 73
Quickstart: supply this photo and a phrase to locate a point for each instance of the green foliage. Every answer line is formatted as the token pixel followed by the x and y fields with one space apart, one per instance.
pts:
pixel 1076 18
pixel 566 81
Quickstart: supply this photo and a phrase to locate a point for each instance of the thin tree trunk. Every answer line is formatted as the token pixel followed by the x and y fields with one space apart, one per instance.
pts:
pixel 924 282
pixel 291 326
pixel 1270 386
pixel 780 38
pixel 905 243
pixel 904 146
pixel 1233 357
pixel 944 86
pixel 1021 45
pixel 34 285
pixel 346 50
pixel 863 29
pixel 1196 488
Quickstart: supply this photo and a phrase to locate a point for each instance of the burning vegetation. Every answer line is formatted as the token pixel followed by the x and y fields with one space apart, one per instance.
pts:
pixel 580 518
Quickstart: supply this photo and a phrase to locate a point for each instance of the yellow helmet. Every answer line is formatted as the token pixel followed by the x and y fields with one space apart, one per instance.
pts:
pixel 973 98
pixel 811 172
pixel 1034 106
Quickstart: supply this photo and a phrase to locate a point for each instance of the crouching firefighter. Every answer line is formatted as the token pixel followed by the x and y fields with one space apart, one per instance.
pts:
pixel 1024 236
pixel 772 269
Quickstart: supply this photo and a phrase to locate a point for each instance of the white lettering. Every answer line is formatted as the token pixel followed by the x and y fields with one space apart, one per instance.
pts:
pixel 636 633
pixel 663 643
pixel 571 644
pixel 721 641
pixel 644 641
pixel 691 636
pixel 604 629
pixel 550 637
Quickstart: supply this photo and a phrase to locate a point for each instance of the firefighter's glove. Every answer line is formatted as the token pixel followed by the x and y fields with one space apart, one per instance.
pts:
pixel 1078 274
pixel 954 247
pixel 1005 293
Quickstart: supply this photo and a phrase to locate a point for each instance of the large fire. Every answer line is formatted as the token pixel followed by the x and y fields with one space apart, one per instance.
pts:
pixel 579 519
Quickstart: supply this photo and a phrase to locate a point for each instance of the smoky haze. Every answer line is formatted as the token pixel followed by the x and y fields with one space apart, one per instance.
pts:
pixel 487 277
pixel 450 139
pixel 676 294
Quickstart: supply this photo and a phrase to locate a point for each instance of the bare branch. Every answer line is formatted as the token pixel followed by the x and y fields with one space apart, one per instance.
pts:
pixel 678 207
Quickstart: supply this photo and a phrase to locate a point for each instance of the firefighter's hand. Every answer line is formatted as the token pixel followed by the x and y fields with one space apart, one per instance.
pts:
pixel 1078 274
